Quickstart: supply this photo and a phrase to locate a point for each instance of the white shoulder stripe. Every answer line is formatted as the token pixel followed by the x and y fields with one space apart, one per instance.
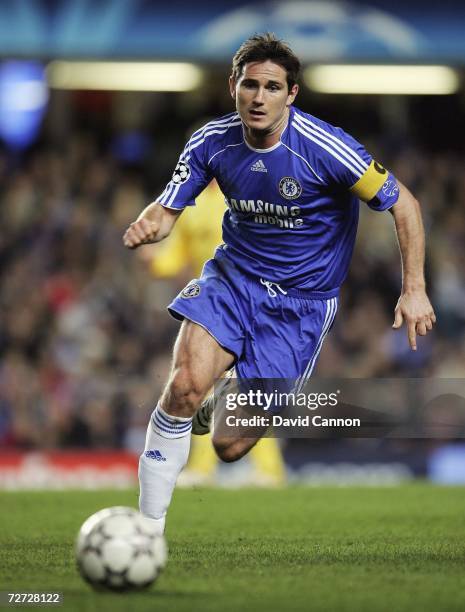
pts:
pixel 338 143
pixel 350 156
pixel 168 195
pixel 186 153
pixel 218 122
pixel 304 160
pixel 330 150
pixel 199 134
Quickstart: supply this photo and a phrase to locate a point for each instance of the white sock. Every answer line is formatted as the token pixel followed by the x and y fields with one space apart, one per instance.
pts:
pixel 165 454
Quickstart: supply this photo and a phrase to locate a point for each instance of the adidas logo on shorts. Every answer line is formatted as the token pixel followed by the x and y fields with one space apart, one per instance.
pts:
pixel 258 166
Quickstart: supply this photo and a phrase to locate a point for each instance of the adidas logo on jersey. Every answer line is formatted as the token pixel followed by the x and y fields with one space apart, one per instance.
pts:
pixel 258 166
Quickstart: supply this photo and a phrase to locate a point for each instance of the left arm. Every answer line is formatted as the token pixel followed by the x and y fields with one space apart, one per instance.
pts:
pixel 369 181
pixel 413 305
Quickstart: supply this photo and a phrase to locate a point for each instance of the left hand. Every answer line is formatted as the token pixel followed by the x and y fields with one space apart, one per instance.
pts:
pixel 415 308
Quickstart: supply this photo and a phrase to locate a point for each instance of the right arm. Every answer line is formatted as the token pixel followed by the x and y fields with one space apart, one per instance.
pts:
pixel 153 224
pixel 189 179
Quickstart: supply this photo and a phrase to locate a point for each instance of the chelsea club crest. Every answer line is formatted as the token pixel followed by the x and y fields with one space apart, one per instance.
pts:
pixel 192 290
pixel 289 188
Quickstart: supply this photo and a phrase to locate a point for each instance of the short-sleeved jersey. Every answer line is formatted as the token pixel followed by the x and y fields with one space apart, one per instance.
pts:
pixel 293 208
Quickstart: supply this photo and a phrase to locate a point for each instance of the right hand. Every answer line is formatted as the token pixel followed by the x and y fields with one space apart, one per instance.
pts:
pixel 141 232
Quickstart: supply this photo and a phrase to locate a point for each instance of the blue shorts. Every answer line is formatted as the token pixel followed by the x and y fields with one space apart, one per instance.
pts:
pixel 273 331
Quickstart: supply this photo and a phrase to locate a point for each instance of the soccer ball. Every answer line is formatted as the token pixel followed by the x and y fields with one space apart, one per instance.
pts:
pixel 118 549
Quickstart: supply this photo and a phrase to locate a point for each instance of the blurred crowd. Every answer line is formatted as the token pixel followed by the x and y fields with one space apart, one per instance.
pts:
pixel 85 339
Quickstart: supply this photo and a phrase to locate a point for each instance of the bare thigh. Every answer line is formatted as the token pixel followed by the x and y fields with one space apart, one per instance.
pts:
pixel 198 361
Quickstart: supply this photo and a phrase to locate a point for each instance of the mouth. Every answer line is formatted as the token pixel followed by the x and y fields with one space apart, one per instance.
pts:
pixel 257 113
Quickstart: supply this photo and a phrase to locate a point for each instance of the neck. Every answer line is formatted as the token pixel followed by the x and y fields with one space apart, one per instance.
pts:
pixel 265 139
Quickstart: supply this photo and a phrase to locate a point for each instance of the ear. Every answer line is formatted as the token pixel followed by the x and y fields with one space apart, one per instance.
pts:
pixel 294 90
pixel 232 87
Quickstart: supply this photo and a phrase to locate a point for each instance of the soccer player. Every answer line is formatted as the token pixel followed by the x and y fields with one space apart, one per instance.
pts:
pixel 267 299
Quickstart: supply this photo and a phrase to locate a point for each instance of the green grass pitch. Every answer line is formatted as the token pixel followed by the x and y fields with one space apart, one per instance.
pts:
pixel 328 549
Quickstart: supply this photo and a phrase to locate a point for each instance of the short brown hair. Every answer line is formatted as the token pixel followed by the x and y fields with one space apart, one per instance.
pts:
pixel 262 47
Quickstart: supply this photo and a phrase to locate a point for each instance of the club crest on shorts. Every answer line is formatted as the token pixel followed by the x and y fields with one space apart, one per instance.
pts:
pixel 181 173
pixel 192 290
pixel 290 188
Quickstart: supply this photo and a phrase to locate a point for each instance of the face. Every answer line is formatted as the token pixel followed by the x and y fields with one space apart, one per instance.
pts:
pixel 262 96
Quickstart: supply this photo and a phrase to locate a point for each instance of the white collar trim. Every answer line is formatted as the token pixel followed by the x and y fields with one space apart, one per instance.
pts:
pixel 275 146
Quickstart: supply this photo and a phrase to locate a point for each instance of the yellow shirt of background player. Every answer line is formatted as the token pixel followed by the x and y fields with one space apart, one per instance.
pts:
pixel 198 233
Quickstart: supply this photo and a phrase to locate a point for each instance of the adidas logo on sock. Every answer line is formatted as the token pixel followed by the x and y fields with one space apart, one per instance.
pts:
pixel 154 454
pixel 258 166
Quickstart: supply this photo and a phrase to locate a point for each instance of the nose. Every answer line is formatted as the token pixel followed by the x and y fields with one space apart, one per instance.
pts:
pixel 259 96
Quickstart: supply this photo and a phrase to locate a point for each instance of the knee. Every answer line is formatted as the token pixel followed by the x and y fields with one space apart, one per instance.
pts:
pixel 228 449
pixel 183 394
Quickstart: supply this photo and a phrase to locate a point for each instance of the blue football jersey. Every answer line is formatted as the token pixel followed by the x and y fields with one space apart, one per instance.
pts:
pixel 293 208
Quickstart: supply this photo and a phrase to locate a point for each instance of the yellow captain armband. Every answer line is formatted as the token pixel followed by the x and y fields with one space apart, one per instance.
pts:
pixel 371 182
